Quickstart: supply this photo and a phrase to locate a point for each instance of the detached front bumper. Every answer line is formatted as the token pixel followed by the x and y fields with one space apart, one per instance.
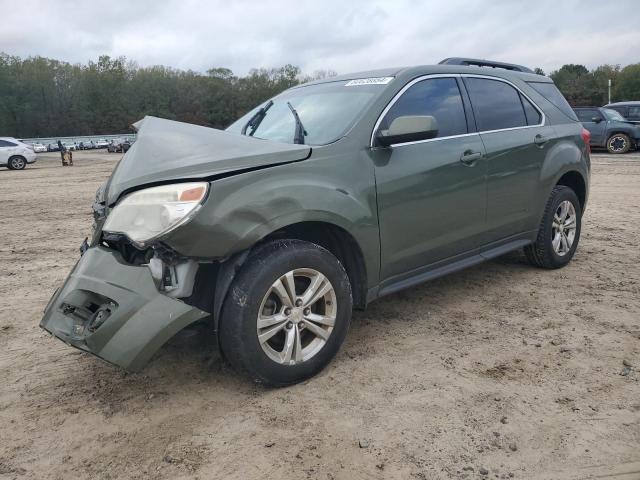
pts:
pixel 114 310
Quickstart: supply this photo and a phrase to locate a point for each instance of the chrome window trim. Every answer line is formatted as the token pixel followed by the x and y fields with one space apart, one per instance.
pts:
pixel 543 117
pixel 433 139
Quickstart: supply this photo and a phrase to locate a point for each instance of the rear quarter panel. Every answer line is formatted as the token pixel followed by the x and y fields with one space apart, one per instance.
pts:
pixel 567 153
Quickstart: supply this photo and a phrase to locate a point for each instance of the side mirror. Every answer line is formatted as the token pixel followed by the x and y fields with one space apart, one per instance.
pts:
pixel 596 119
pixel 408 128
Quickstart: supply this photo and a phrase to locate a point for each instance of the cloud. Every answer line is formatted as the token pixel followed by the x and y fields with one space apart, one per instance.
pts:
pixel 323 34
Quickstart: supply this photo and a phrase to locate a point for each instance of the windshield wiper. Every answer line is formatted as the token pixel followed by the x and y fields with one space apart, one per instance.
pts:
pixel 254 122
pixel 298 137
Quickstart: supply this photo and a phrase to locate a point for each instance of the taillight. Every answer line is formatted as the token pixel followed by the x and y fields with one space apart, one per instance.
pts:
pixel 586 136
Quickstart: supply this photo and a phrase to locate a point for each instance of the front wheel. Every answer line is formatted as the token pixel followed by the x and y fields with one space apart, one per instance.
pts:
pixel 618 143
pixel 559 231
pixel 287 312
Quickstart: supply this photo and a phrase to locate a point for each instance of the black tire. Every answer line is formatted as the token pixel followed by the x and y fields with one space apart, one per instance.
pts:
pixel 17 163
pixel 542 253
pixel 238 332
pixel 618 143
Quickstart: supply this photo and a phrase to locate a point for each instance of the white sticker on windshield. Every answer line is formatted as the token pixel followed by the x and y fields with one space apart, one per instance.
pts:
pixel 368 81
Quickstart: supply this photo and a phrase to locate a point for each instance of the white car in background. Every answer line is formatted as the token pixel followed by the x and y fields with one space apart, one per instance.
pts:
pixel 14 154
pixel 39 148
pixel 102 143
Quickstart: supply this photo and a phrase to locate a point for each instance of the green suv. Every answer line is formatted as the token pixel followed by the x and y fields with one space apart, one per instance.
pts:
pixel 325 198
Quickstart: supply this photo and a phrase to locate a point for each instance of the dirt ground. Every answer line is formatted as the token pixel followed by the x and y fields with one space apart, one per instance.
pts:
pixel 499 371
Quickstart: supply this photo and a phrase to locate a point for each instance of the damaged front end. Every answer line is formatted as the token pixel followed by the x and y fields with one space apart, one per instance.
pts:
pixel 115 310
pixel 130 291
pixel 125 298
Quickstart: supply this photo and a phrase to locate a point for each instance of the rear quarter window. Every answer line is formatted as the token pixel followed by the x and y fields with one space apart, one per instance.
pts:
pixel 553 95
pixel 4 143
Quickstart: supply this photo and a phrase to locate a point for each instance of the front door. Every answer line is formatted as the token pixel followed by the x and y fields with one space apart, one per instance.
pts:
pixel 431 193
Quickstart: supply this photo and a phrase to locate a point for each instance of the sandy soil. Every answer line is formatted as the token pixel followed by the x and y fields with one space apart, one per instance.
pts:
pixel 499 371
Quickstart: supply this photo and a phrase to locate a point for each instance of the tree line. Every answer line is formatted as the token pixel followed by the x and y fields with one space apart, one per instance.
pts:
pixel 584 87
pixel 42 97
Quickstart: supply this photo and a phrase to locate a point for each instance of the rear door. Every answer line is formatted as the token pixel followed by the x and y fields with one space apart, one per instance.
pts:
pixel 592 120
pixel 516 141
pixel 634 113
pixel 6 150
pixel 622 110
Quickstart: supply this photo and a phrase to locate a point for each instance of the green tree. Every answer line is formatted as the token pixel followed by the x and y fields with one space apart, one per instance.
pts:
pixel 601 77
pixel 577 84
pixel 627 84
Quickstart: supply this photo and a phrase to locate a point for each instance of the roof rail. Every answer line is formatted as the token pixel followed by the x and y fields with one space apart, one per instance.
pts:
pixel 484 63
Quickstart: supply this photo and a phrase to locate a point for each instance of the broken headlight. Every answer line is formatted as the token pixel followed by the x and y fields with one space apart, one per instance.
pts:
pixel 150 213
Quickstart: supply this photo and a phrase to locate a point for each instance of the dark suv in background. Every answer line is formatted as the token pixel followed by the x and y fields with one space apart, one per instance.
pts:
pixel 609 129
pixel 327 197
pixel 629 110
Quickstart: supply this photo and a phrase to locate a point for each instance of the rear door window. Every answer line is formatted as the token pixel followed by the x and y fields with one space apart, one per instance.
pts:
pixel 621 110
pixel 436 97
pixel 4 143
pixel 531 112
pixel 496 104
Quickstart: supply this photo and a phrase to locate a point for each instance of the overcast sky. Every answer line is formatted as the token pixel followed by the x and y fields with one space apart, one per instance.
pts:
pixel 341 35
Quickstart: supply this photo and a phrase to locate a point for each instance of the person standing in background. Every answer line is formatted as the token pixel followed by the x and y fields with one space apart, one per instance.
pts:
pixel 62 150
pixel 65 154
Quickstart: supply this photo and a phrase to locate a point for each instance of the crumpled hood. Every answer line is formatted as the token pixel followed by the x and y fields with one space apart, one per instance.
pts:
pixel 167 150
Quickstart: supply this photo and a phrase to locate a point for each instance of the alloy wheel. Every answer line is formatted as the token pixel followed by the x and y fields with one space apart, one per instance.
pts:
pixel 296 316
pixel 617 144
pixel 17 163
pixel 563 233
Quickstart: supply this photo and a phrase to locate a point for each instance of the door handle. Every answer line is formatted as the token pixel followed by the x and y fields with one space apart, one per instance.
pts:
pixel 540 140
pixel 469 157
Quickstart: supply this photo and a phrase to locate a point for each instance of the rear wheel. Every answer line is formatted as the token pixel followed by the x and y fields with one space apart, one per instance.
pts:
pixel 559 231
pixel 618 143
pixel 17 163
pixel 286 313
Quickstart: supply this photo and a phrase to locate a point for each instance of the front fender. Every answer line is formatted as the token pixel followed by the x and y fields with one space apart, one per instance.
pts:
pixel 245 208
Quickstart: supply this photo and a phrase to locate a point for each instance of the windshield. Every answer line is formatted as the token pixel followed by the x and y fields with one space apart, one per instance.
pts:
pixel 613 115
pixel 327 111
